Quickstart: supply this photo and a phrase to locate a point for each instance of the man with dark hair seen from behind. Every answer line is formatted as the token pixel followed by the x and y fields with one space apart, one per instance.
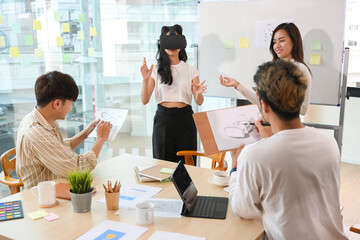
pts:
pixel 291 178
pixel 41 152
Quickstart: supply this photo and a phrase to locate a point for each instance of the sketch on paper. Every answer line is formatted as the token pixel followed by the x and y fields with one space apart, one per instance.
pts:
pixel 115 116
pixel 232 127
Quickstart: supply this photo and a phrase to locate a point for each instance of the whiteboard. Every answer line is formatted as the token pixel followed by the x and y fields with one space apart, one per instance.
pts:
pixel 253 20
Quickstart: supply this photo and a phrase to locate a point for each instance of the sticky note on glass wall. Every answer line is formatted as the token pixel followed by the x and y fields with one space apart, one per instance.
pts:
pixel 244 42
pixel 229 43
pixel 38 53
pixel 66 27
pixel 315 59
pixel 59 41
pixel 81 17
pixel 29 40
pixel 315 45
pixel 16 28
pixel 65 58
pixel 93 31
pixel 91 52
pixel 2 41
pixel 1 19
pixel 80 35
pixel 57 16
pixel 25 62
pixel 37 25
pixel 14 52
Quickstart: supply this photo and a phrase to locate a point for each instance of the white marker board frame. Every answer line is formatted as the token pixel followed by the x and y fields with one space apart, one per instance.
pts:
pixel 317 20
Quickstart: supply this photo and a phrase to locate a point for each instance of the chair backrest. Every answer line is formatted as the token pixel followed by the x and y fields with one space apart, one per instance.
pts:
pixel 8 164
pixel 218 159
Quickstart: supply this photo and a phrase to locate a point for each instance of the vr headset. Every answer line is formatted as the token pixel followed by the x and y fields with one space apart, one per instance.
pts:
pixel 172 41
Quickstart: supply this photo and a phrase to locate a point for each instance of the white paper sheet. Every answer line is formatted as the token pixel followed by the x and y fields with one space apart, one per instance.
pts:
pixel 115 230
pixel 161 235
pixel 132 194
pixel 113 115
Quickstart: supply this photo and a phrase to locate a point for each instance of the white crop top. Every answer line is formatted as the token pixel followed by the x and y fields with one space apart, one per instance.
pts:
pixel 181 88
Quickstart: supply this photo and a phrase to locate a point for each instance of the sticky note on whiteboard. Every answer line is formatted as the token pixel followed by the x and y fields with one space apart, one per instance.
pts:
pixel 229 43
pixel 37 25
pixel 2 41
pixel 315 59
pixel 29 40
pixel 80 35
pixel 315 45
pixel 59 41
pixel 93 31
pixel 14 52
pixel 57 16
pixel 244 42
pixel 38 53
pixel 66 27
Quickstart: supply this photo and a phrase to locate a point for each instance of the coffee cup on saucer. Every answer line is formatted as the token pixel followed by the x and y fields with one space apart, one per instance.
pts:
pixel 220 178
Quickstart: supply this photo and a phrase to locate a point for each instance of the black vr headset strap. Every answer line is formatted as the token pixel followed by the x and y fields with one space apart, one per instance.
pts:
pixel 172 31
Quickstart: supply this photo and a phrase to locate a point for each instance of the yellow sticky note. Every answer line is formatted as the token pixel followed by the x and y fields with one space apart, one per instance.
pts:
pixel 38 53
pixel 59 41
pixel 1 19
pixel 244 42
pixel 229 43
pixel 315 45
pixel 66 27
pixel 38 214
pixel 2 42
pixel 37 25
pixel 80 35
pixel 315 59
pixel 91 52
pixel 57 16
pixel 93 31
pixel 14 52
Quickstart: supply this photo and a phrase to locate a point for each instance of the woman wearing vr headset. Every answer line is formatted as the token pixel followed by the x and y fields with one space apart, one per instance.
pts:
pixel 286 43
pixel 174 82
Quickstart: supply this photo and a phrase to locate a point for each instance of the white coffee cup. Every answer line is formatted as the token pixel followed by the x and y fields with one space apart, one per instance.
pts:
pixel 144 213
pixel 46 192
pixel 221 177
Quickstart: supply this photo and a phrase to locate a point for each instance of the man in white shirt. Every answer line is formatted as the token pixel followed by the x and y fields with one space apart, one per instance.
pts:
pixel 290 178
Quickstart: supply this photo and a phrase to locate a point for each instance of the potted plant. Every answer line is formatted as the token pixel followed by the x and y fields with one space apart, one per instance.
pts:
pixel 80 189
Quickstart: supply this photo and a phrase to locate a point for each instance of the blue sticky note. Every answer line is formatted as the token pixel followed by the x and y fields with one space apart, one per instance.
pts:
pixel 25 62
pixel 16 28
pixel 110 234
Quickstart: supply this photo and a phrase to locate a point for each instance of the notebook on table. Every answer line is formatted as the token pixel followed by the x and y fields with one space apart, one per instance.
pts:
pixel 193 205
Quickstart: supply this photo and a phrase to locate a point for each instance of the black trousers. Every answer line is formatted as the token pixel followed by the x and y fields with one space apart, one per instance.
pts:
pixel 174 130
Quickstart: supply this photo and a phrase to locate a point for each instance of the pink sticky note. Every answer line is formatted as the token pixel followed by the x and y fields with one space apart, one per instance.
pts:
pixel 51 217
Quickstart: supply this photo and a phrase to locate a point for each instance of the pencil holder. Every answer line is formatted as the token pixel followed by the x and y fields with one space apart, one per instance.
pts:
pixel 112 200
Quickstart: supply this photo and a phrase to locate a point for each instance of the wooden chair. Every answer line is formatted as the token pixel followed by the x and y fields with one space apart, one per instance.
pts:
pixel 218 161
pixel 9 166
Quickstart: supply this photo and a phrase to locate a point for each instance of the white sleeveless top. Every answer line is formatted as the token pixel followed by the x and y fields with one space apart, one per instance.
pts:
pixel 181 88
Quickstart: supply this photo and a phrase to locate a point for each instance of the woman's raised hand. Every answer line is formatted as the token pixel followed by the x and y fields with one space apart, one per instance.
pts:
pixel 145 71
pixel 228 82
pixel 200 88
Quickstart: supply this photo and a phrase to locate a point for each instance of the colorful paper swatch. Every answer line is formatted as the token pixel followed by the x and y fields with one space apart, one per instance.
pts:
pixel 11 210
pixel 244 42
pixel 37 25
pixel 66 27
pixel 315 59
pixel 38 53
pixel 29 40
pixel 14 52
pixel 229 43
pixel 110 234
pixel 38 214
pixel 93 31
pixel 52 217
pixel 57 16
pixel 65 58
pixel 91 52
pixel 80 35
pixel 1 19
pixel 16 28
pixel 81 17
pixel 59 41
pixel 315 45
pixel 2 41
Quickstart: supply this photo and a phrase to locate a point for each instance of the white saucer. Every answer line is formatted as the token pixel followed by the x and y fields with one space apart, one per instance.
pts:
pixel 211 180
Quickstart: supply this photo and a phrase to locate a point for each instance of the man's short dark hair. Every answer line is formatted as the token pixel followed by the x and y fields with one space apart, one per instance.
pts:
pixel 55 85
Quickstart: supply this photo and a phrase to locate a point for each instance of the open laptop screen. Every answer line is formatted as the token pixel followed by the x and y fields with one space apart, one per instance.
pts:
pixel 184 185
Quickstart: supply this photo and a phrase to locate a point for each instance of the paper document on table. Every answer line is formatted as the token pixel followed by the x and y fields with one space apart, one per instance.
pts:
pixel 166 207
pixel 161 235
pixel 115 116
pixel 114 230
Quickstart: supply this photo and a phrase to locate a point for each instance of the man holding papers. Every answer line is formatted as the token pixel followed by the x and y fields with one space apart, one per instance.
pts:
pixel 291 178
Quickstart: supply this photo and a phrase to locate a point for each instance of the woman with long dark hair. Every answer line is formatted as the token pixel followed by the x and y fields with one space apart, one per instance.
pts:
pixel 286 43
pixel 174 82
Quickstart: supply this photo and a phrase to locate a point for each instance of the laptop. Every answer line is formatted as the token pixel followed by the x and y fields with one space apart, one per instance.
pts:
pixel 193 205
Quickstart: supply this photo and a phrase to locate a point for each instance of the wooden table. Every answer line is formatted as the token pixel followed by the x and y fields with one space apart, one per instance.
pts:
pixel 72 225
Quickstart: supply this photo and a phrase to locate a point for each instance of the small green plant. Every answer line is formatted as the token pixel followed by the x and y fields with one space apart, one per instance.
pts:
pixel 80 181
